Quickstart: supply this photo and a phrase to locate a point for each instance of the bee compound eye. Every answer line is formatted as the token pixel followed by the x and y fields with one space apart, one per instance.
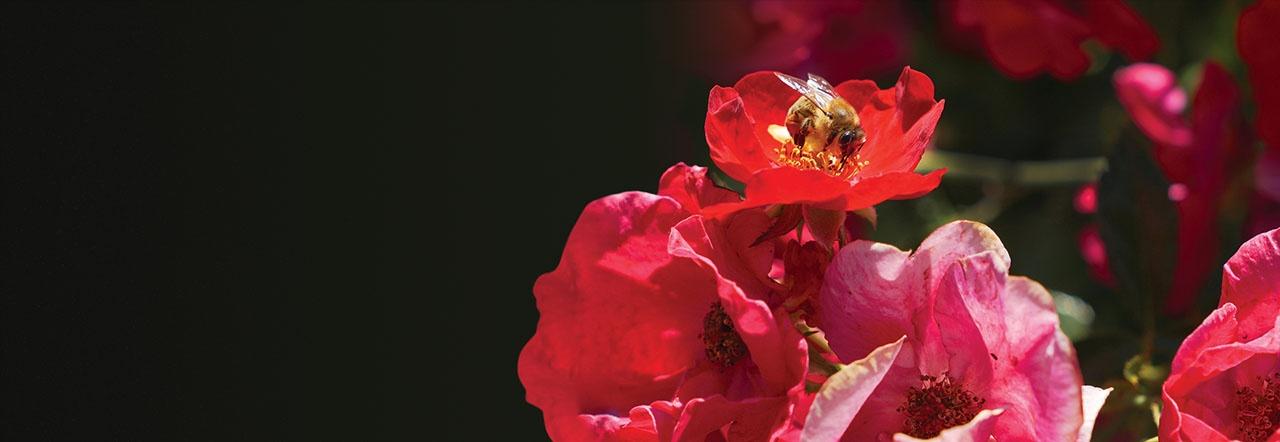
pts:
pixel 846 137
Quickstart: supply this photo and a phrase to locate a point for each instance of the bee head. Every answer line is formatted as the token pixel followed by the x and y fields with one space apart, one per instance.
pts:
pixel 851 140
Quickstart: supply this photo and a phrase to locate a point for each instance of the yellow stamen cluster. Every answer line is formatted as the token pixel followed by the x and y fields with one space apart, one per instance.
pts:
pixel 791 154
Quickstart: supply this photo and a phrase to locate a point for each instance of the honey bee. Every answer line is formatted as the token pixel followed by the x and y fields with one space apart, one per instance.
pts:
pixel 825 129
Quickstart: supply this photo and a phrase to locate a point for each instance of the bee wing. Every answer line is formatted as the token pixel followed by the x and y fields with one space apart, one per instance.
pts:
pixel 816 89
pixel 822 85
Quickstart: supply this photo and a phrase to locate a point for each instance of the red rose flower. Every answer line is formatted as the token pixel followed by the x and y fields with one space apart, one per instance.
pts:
pixel 1224 383
pixel 1194 155
pixel 898 122
pixel 1026 38
pixel 947 344
pixel 645 335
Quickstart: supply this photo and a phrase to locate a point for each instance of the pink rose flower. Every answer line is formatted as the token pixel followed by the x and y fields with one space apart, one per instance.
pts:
pixel 945 345
pixel 1224 383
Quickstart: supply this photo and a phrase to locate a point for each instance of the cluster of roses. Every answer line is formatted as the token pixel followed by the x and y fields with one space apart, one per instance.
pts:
pixel 701 314
pixel 697 314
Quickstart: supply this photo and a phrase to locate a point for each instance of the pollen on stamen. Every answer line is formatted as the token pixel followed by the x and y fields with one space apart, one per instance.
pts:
pixel 724 346
pixel 1258 411
pixel 788 153
pixel 939 403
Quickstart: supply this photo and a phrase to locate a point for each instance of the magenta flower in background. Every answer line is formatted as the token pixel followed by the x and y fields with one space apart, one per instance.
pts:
pixel 1224 383
pixel 1195 153
pixel 942 341
pixel 1256 39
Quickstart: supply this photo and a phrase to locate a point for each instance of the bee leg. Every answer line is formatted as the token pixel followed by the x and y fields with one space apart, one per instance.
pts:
pixel 798 130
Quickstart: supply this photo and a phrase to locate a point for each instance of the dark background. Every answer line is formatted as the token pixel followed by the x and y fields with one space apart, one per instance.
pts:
pixel 247 222
pixel 287 222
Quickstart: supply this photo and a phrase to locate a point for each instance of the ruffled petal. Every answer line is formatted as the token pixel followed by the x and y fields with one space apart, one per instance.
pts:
pixel 899 121
pixel 692 188
pixel 777 349
pixel 751 419
pixel 1251 281
pixel 956 240
pixel 1039 381
pixel 866 300
pixel 730 131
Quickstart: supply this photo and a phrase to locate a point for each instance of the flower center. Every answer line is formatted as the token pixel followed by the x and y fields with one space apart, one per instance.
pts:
pixel 1258 411
pixel 940 403
pixel 723 345
pixel 831 160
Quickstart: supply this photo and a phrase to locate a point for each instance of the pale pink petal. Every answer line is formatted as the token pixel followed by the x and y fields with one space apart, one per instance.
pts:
pixel 879 418
pixel 969 313
pixel 1038 381
pixel 1093 398
pixel 953 241
pixel 843 395
pixel 866 301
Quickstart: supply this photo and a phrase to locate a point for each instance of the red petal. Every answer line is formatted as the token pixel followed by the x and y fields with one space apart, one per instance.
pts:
pixel 775 346
pixel 786 185
pixel 899 121
pixel 766 98
pixel 891 186
pixel 751 419
pixel 692 188
pixel 620 316
pixel 731 135
pixel 1117 25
